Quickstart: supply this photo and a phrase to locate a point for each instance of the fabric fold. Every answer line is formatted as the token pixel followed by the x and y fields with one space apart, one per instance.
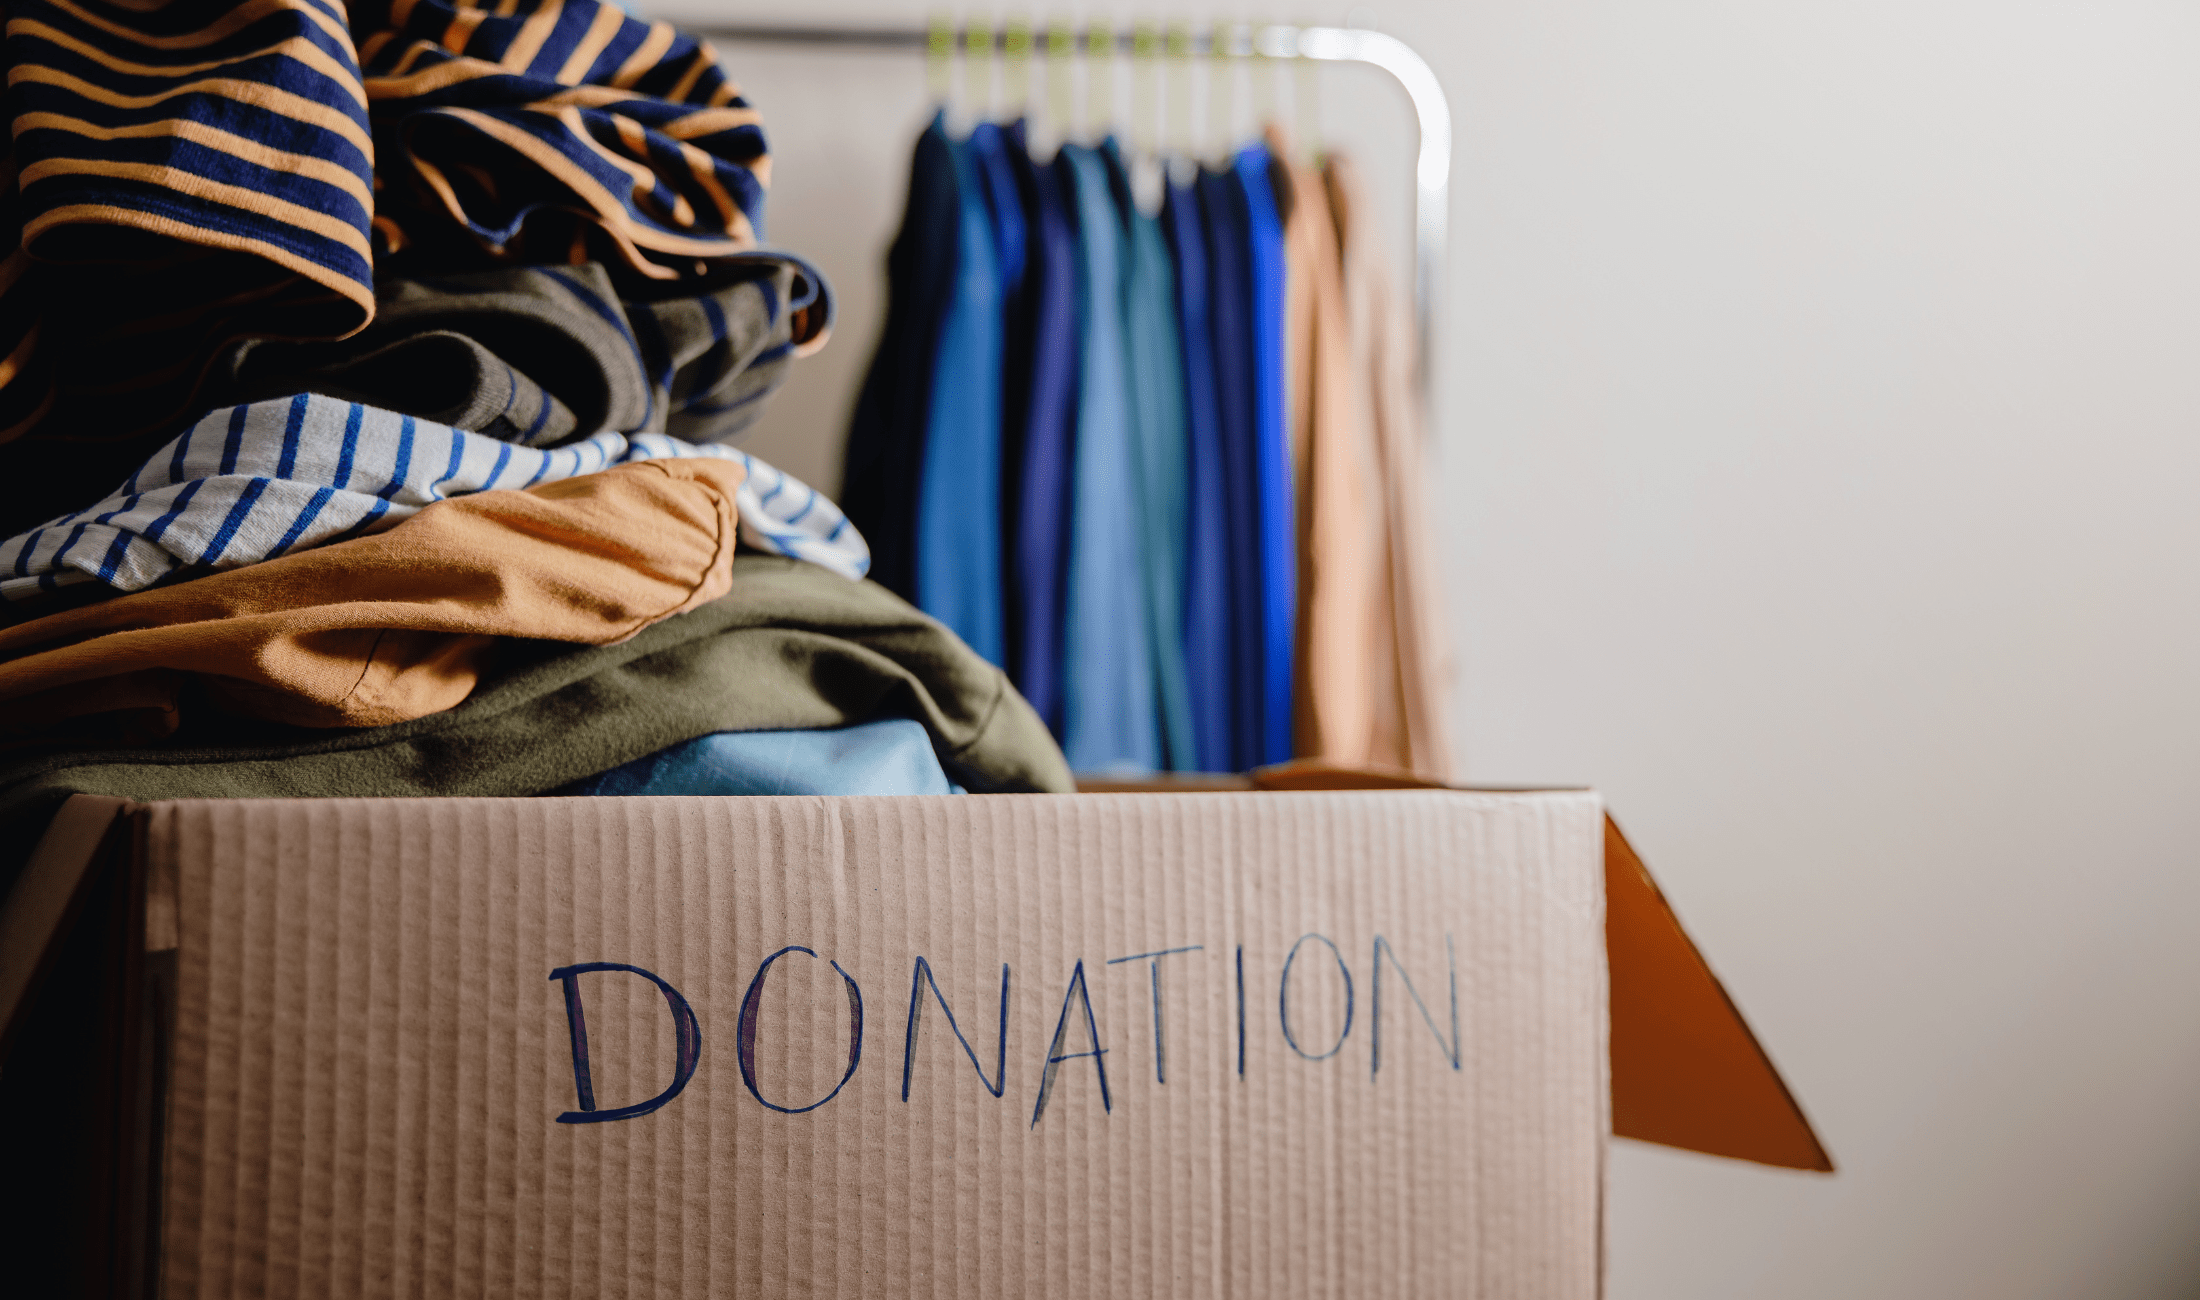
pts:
pixel 542 355
pixel 788 646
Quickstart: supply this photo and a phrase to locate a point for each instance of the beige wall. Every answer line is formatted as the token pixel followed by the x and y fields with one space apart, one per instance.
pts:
pixel 1820 443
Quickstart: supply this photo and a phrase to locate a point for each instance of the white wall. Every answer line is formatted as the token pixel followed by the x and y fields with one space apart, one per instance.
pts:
pixel 1820 441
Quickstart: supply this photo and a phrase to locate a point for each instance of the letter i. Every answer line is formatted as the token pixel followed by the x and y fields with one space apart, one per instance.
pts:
pixel 1241 1009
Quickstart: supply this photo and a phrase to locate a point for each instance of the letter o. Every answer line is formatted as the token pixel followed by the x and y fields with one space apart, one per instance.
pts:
pixel 747 1049
pixel 1283 1000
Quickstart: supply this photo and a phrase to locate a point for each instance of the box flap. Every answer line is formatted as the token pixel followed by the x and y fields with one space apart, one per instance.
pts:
pixel 1686 1069
pixel 45 896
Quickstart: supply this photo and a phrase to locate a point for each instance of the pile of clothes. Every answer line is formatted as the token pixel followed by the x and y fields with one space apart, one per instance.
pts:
pixel 365 410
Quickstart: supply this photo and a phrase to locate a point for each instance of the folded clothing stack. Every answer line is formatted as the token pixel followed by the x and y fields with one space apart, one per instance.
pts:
pixel 381 373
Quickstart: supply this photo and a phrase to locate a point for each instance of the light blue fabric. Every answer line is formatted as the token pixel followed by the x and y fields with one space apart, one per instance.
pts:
pixel 1279 566
pixel 1158 444
pixel 891 756
pixel 1109 715
pixel 958 512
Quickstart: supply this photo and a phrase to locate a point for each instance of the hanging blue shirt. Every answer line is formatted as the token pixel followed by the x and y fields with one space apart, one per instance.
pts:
pixel 1157 443
pixel 1279 577
pixel 1206 619
pixel 1045 444
pixel 958 524
pixel 1230 316
pixel 1110 722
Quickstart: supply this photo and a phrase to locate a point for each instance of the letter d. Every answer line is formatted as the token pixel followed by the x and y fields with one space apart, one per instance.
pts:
pixel 689 1049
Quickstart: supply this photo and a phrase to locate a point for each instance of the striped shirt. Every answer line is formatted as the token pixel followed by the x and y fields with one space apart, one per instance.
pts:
pixel 221 150
pixel 205 171
pixel 253 482
pixel 559 131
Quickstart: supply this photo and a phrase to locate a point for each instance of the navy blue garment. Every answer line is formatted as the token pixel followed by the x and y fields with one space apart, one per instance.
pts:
pixel 1006 156
pixel 889 756
pixel 886 435
pixel 1230 319
pixel 1279 559
pixel 1044 444
pixel 991 148
pixel 1207 544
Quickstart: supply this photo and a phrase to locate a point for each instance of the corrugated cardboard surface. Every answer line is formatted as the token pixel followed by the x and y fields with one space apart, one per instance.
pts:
pixel 372 1055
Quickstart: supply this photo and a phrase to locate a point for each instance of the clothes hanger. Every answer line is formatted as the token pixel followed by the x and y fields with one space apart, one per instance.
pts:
pixel 978 61
pixel 1102 112
pixel 1015 59
pixel 1143 160
pixel 1061 102
pixel 939 54
pixel 1230 98
pixel 1306 106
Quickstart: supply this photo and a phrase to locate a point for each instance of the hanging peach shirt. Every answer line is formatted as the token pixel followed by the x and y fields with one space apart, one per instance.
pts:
pixel 1412 664
pixel 1342 604
pixel 393 626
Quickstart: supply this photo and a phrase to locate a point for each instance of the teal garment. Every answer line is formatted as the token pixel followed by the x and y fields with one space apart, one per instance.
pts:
pixel 890 756
pixel 1158 440
pixel 1109 716
pixel 958 519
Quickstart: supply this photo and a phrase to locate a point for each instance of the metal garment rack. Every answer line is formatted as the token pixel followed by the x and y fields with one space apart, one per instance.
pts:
pixel 1432 113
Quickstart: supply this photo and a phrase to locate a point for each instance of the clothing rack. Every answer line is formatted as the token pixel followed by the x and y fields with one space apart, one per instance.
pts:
pixel 1432 113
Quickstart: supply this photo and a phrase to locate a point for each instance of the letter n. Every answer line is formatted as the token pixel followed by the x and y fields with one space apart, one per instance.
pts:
pixel 1375 1013
pixel 922 976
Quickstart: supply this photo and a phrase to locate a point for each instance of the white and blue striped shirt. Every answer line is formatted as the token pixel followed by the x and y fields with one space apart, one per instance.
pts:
pixel 249 483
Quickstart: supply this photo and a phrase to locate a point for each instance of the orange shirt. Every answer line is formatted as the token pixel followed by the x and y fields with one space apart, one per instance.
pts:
pixel 393 626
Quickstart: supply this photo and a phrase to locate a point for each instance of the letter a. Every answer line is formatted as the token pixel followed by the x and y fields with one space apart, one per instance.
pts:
pixel 1055 1054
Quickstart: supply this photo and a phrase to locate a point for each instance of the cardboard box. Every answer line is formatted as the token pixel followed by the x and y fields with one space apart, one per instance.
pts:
pixel 1221 1044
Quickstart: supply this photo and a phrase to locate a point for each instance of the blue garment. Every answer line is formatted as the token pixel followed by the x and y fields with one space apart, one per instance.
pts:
pixel 1157 442
pixel 1206 619
pixel 1044 446
pixel 1008 202
pixel 1279 576
pixel 1109 722
pixel 886 435
pixel 958 524
pixel 890 756
pixel 1229 266
pixel 991 150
